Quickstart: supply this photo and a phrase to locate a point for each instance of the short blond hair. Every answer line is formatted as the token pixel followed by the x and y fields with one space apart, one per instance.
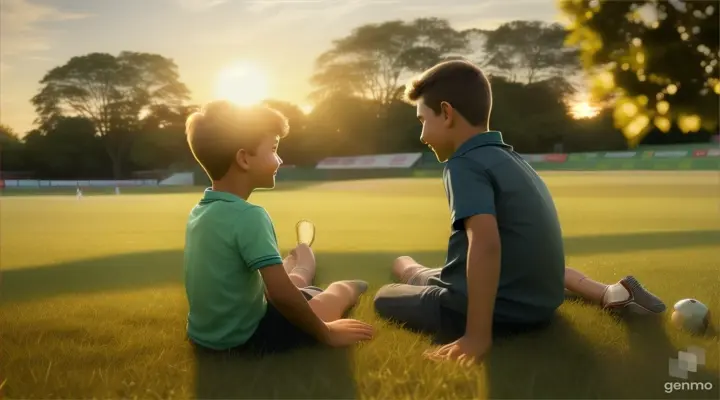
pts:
pixel 218 131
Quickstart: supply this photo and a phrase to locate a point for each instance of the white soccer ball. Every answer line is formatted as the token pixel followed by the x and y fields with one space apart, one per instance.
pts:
pixel 691 315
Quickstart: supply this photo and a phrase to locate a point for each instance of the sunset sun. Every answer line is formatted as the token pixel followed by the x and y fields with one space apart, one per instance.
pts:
pixel 243 84
pixel 583 110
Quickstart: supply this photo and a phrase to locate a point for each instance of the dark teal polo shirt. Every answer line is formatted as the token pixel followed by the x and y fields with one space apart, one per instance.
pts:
pixel 486 176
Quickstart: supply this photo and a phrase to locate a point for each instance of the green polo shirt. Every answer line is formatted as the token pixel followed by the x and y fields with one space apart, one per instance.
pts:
pixel 485 176
pixel 227 241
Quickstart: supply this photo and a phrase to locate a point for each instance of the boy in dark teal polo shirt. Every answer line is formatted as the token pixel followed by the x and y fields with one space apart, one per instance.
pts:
pixel 505 269
pixel 241 293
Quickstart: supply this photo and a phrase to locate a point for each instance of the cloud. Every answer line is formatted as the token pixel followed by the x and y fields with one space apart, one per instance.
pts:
pixel 275 21
pixel 267 18
pixel 21 28
pixel 4 68
pixel 303 9
pixel 463 14
pixel 200 5
pixel 264 5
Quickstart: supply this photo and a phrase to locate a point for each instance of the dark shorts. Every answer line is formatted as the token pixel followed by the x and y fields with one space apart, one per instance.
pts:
pixel 423 305
pixel 275 333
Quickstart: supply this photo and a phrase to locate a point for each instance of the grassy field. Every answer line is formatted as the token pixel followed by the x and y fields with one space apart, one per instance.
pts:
pixel 92 302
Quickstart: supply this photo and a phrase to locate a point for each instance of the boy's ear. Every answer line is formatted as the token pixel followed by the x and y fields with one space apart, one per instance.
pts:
pixel 241 157
pixel 448 113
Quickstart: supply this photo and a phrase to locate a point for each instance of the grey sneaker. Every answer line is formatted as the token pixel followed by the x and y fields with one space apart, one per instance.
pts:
pixel 641 301
pixel 359 285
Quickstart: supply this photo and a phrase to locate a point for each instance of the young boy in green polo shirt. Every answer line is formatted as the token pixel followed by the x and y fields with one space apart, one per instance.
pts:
pixel 241 293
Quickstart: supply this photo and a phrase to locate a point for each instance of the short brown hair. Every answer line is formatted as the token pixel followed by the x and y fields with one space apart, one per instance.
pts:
pixel 458 82
pixel 218 131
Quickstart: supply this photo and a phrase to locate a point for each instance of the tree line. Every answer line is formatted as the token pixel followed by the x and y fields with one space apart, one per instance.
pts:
pixel 101 115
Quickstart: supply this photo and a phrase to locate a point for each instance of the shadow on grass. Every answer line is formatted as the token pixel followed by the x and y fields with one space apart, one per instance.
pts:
pixel 124 271
pixel 559 363
pixel 138 270
pixel 301 374
pixel 628 242
pixel 651 350
pixel 556 362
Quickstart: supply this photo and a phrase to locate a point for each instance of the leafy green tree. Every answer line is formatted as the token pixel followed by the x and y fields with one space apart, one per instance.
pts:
pixel 161 143
pixel 11 150
pixel 68 149
pixel 343 125
pixel 372 61
pixel 111 91
pixel 528 51
pixel 656 60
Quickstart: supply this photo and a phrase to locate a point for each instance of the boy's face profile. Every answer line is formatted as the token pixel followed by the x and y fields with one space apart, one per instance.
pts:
pixel 435 129
pixel 262 164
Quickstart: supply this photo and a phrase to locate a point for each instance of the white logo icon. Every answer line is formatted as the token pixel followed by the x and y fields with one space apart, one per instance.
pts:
pixel 687 361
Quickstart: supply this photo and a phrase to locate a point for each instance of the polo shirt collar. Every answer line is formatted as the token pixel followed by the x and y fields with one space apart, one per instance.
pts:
pixel 489 138
pixel 214 195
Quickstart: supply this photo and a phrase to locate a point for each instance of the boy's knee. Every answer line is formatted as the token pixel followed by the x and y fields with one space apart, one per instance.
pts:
pixel 302 249
pixel 409 306
pixel 400 266
pixel 384 301
pixel 303 253
pixel 398 301
pixel 298 280
pixel 403 261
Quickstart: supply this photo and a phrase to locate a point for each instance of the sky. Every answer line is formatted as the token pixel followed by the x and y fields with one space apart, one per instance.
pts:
pixel 281 37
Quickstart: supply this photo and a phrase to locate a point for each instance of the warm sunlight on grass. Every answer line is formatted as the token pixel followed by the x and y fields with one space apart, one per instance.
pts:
pixel 243 84
pixel 93 302
pixel 583 109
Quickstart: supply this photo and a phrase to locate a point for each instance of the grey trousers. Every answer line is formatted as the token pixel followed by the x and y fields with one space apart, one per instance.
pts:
pixel 422 305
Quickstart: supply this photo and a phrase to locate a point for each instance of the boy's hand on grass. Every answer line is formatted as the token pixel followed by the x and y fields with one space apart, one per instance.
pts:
pixel 465 350
pixel 346 332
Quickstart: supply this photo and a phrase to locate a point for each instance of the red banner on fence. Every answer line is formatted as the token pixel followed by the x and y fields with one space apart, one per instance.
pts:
pixel 558 158
pixel 403 160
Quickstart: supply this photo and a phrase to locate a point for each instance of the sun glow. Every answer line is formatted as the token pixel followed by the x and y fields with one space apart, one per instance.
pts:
pixel 583 110
pixel 306 109
pixel 243 84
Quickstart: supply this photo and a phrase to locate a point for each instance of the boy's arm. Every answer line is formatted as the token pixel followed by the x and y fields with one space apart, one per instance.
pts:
pixel 472 202
pixel 291 303
pixel 472 205
pixel 258 247
pixel 483 275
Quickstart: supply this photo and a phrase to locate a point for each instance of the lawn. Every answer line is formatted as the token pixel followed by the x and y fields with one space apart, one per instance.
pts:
pixel 92 302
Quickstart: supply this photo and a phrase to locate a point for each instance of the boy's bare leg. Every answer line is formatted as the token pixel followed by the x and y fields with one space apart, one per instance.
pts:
pixel 577 282
pixel 333 302
pixel 628 292
pixel 404 268
pixel 301 265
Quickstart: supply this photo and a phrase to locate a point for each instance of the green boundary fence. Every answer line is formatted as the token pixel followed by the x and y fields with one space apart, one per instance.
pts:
pixel 658 158
pixel 684 164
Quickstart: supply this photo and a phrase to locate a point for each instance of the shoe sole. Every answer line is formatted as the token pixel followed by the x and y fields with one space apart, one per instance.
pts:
pixel 297 231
